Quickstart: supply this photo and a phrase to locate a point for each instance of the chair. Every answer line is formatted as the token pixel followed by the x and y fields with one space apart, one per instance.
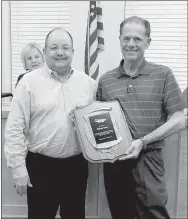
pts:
pixel 6 95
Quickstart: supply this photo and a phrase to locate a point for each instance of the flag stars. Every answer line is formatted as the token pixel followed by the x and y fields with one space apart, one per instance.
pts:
pixel 92 10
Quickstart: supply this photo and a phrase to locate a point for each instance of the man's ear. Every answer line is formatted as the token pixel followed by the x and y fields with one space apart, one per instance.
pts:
pixel 120 40
pixel 44 52
pixel 148 42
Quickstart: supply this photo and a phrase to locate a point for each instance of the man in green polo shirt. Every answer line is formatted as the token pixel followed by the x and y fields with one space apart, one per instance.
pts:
pixel 151 101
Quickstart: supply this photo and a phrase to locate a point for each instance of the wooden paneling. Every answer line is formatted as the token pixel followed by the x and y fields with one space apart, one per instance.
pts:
pixel 171 160
pixel 103 209
pixel 181 210
pixel 92 191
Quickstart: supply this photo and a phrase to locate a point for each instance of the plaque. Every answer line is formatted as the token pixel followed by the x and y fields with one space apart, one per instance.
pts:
pixel 102 131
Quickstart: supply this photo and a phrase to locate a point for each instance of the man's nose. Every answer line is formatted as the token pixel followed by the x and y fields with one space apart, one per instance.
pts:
pixel 131 42
pixel 60 51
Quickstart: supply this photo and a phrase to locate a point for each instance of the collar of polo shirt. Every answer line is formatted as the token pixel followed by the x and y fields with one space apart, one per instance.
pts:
pixel 143 70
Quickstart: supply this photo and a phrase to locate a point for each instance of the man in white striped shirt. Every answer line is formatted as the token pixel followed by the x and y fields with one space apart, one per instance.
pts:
pixel 41 146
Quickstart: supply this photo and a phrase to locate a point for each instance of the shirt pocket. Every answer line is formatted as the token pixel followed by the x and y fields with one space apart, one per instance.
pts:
pixel 83 100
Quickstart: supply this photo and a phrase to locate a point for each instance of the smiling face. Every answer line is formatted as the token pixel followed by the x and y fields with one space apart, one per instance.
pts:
pixel 134 42
pixel 59 51
pixel 33 59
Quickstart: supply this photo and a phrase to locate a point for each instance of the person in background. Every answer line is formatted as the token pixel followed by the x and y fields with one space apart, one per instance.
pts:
pixel 41 146
pixel 148 94
pixel 32 57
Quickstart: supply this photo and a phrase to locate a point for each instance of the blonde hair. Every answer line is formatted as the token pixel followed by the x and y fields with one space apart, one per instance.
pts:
pixel 26 49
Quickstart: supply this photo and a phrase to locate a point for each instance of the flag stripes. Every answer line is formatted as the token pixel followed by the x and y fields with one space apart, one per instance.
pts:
pixel 94 39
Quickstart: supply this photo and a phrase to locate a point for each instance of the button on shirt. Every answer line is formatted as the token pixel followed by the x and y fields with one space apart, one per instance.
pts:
pixel 39 117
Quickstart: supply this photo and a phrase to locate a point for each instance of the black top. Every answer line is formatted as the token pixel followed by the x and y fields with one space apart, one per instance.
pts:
pixel 21 76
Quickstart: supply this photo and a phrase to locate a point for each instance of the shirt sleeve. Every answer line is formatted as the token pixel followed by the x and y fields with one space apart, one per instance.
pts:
pixel 16 129
pixel 172 96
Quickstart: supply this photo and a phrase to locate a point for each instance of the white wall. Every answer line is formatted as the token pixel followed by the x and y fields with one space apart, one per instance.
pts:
pixel 113 14
pixel 6 48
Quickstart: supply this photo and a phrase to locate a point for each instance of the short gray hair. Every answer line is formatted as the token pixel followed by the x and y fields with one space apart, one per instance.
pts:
pixel 26 49
pixel 139 20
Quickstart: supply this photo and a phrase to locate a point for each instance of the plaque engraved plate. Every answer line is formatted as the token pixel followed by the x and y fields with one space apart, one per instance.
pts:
pixel 102 130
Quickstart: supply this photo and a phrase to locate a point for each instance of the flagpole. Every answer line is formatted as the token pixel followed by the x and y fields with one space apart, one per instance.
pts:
pixel 88 35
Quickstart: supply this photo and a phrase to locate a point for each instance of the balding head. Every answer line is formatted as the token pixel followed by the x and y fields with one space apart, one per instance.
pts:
pixel 57 29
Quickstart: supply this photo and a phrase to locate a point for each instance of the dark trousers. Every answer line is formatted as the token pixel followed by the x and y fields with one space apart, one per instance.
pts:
pixel 136 188
pixel 56 182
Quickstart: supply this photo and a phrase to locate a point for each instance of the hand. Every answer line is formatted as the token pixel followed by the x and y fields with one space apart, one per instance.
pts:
pixel 71 117
pixel 71 114
pixel 21 185
pixel 133 151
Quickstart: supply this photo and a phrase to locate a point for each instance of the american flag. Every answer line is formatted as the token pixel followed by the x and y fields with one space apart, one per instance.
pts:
pixel 94 39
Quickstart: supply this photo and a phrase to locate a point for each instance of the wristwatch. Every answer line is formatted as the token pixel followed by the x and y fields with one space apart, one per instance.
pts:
pixel 144 143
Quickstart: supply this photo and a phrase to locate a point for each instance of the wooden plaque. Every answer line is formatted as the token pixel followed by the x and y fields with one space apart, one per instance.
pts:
pixel 102 131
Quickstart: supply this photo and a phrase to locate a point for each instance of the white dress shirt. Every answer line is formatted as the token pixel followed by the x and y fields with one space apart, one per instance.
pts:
pixel 39 117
